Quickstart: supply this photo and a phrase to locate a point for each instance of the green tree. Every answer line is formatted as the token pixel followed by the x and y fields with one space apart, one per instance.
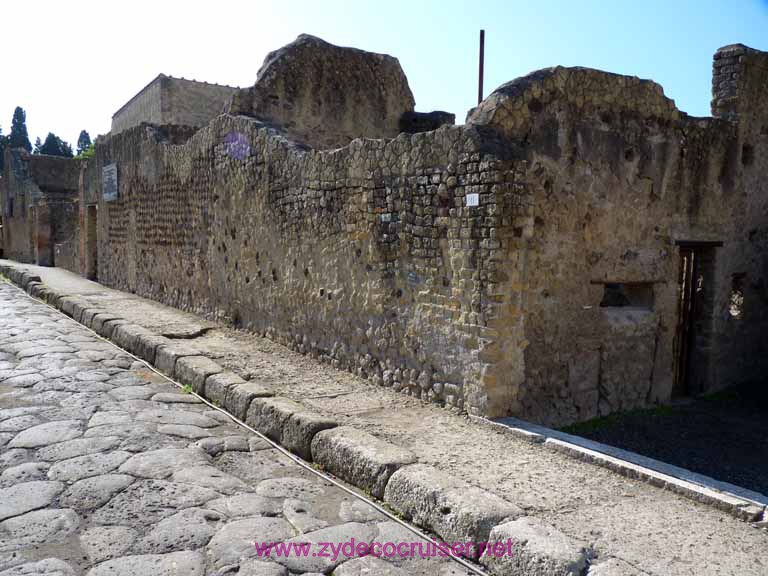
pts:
pixel 3 140
pixel 54 146
pixel 18 138
pixel 83 142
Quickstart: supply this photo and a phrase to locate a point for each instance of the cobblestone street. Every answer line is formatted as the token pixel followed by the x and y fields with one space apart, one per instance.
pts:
pixel 109 469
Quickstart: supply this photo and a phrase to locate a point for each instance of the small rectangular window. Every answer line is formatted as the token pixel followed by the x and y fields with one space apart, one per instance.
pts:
pixel 736 300
pixel 628 295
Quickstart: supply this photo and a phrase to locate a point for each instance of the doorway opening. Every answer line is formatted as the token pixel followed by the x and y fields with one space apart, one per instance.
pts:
pixel 91 245
pixel 693 337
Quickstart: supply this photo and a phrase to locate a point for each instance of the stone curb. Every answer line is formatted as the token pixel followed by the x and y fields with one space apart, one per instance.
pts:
pixel 456 510
pixel 359 458
pixel 538 550
pixel 742 508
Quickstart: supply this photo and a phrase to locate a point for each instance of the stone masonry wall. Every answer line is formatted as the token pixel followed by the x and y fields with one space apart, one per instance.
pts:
pixel 620 177
pixel 146 106
pixel 38 204
pixel 477 266
pixel 168 100
pixel 191 103
pixel 366 256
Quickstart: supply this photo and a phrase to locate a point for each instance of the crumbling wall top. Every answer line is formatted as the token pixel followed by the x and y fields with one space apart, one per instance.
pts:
pixel 326 95
pixel 515 104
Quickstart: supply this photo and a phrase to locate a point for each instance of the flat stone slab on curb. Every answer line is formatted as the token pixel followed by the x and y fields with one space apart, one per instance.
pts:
pixel 537 550
pixel 455 510
pixel 359 458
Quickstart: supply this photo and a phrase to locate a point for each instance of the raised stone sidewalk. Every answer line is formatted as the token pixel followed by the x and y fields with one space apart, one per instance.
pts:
pixel 455 476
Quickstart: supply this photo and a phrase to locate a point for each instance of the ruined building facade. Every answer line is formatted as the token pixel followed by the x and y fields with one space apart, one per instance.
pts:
pixel 169 100
pixel 578 247
pixel 38 205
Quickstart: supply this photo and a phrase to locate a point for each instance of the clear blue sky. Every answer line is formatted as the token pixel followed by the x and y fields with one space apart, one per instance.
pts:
pixel 66 82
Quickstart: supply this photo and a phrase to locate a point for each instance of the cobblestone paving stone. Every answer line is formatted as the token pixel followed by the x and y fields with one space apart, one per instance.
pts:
pixel 107 469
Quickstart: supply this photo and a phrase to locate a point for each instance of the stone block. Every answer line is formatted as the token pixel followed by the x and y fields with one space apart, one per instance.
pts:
pixel 147 344
pixel 300 430
pixel 537 550
pixel 108 327
pixel 167 356
pixel 67 305
pixel 269 415
pixel 239 398
pixel 453 509
pixel 99 319
pixel 359 458
pixel 217 385
pixel 89 314
pixel 194 370
pixel 127 336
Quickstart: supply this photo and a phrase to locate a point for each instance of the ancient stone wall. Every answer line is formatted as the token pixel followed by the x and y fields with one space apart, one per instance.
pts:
pixel 177 101
pixel 191 103
pixel 620 178
pixel 527 263
pixel 741 321
pixel 38 204
pixel 325 95
pixel 146 106
pixel 367 256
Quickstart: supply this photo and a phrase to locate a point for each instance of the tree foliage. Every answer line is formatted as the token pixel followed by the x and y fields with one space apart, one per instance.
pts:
pixel 83 142
pixel 3 141
pixel 53 146
pixel 19 138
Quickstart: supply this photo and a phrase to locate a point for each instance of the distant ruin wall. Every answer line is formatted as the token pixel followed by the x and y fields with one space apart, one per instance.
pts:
pixel 38 204
pixel 367 256
pixel 146 106
pixel 168 100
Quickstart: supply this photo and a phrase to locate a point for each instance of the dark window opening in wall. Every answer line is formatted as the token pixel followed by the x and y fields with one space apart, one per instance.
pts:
pixel 637 295
pixel 736 301
pixel 747 155
pixel 10 207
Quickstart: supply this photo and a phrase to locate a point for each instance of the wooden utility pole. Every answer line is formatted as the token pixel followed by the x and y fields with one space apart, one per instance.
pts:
pixel 482 63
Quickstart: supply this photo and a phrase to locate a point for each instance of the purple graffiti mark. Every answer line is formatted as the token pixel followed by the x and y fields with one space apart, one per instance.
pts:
pixel 236 146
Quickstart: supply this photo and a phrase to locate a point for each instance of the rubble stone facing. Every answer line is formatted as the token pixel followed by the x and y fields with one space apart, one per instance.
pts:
pixel 465 265
pixel 392 258
pixel 326 96
pixel 618 177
